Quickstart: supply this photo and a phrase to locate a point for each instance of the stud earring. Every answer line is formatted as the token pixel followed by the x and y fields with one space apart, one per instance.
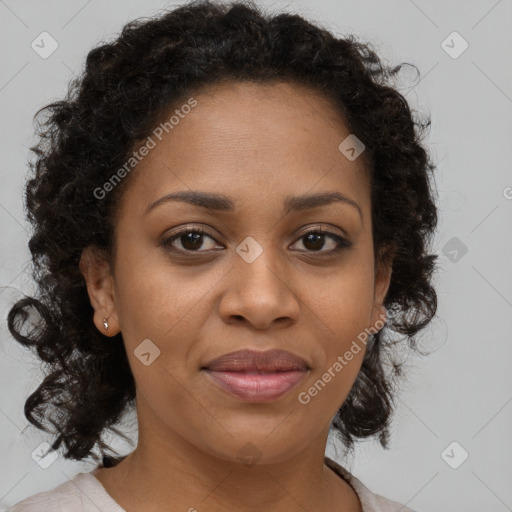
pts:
pixel 105 324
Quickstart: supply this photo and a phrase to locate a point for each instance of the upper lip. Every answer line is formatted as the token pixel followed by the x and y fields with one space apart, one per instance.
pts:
pixel 250 360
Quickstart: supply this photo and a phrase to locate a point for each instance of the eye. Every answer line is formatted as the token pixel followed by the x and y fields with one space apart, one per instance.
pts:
pixel 191 240
pixel 317 239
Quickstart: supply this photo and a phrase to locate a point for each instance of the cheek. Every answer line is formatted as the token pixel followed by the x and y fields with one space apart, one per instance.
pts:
pixel 153 298
pixel 167 305
pixel 344 308
pixel 343 347
pixel 344 302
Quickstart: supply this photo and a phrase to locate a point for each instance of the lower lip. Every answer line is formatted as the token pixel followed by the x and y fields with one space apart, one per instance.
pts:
pixel 257 387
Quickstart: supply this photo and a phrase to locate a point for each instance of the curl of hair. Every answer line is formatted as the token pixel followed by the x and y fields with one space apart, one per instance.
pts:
pixel 127 86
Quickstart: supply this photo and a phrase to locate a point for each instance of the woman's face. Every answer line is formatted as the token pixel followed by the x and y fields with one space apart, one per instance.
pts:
pixel 254 280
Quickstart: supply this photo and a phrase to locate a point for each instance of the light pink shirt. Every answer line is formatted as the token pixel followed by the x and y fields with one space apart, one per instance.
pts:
pixel 85 493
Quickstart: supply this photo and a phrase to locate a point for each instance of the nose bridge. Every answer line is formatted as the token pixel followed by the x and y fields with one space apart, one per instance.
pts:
pixel 258 289
pixel 258 266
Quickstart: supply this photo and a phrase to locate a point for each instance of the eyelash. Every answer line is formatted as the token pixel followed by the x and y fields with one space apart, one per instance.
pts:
pixel 342 243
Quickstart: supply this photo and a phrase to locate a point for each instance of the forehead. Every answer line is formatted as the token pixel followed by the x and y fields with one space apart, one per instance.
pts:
pixel 252 139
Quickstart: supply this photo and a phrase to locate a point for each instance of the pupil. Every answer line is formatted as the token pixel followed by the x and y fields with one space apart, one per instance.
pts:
pixel 317 240
pixel 194 239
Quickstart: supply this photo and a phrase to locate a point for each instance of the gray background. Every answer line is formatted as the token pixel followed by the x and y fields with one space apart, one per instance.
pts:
pixel 462 392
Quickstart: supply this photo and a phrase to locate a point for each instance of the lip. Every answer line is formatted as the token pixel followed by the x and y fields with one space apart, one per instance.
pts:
pixel 253 361
pixel 257 376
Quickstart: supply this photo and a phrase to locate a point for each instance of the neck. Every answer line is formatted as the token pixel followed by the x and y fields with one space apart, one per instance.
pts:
pixel 165 472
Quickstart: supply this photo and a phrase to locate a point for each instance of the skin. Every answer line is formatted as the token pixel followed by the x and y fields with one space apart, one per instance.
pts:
pixel 256 144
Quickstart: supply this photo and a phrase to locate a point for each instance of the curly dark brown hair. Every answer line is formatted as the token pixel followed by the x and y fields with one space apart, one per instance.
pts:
pixel 126 87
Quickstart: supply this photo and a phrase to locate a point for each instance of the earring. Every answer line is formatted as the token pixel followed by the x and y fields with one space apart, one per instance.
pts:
pixel 105 324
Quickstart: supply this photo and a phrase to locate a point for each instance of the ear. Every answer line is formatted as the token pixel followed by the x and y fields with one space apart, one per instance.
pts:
pixel 383 271
pixel 100 288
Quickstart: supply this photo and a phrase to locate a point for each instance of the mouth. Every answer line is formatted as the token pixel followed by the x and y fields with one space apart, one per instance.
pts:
pixel 257 376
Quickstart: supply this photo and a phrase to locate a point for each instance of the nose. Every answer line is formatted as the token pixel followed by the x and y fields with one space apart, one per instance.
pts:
pixel 260 294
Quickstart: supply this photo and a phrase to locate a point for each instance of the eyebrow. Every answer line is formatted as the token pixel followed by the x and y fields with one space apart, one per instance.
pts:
pixel 220 202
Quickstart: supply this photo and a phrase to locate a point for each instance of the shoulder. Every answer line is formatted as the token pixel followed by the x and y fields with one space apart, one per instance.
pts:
pixel 75 495
pixel 370 501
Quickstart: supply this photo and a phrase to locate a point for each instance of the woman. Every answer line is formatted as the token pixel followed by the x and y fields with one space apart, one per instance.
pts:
pixel 227 208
